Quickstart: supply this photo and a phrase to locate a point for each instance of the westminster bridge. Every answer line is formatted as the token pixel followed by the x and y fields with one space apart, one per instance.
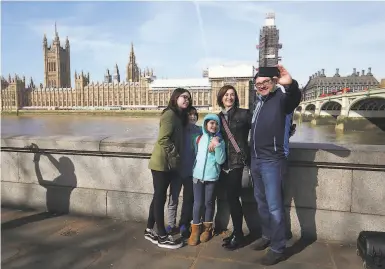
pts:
pixel 362 110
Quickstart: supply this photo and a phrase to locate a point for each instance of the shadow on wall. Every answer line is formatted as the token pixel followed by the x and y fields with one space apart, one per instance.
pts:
pixel 58 191
pixel 300 187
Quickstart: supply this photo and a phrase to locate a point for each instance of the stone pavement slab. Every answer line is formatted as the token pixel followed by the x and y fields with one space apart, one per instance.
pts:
pixel 40 240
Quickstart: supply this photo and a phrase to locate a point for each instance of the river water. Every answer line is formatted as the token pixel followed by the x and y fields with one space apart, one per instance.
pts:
pixel 80 125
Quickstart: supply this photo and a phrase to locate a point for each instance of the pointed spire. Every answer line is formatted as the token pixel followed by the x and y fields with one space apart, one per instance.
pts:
pixel 56 33
pixel 67 42
pixel 31 84
pixel 132 54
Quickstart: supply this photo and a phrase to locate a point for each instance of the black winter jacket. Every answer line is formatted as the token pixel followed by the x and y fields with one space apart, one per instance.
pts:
pixel 239 122
pixel 268 122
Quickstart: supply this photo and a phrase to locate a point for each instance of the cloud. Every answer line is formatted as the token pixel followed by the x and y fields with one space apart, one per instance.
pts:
pixel 164 24
pixel 241 11
pixel 314 36
pixel 171 38
pixel 87 43
pixel 204 63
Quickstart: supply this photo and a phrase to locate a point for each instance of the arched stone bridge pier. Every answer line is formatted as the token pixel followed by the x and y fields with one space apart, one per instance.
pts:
pixel 358 110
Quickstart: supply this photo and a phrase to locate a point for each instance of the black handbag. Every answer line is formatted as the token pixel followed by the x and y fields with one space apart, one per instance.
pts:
pixel 371 249
pixel 247 181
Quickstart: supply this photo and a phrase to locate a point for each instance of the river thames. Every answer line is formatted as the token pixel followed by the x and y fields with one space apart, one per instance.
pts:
pixel 80 125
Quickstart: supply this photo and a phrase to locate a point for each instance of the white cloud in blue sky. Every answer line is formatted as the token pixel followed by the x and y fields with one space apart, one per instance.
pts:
pixel 169 38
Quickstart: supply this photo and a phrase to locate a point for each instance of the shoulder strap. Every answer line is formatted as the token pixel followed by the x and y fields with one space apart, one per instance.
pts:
pixel 198 139
pixel 230 135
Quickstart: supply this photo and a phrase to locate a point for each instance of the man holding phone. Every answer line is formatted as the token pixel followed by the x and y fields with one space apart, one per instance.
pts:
pixel 268 158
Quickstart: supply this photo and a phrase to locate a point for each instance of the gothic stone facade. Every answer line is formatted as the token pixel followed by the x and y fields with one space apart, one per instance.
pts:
pixel 135 91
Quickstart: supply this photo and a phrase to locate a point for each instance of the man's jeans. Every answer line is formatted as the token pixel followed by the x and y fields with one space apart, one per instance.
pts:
pixel 268 179
pixel 188 200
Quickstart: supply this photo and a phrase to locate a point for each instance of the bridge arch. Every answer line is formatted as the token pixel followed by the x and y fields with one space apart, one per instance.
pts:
pixel 368 104
pixel 331 105
pixel 298 109
pixel 372 107
pixel 310 107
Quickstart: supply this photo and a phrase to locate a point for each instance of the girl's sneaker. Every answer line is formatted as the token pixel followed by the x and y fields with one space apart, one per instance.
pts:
pixel 184 231
pixel 151 235
pixel 171 230
pixel 169 242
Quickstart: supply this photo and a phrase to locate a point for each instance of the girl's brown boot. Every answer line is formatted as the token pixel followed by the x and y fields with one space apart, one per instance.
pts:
pixel 195 233
pixel 207 232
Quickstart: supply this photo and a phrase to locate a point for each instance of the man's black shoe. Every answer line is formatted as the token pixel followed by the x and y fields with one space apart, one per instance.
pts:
pixel 271 258
pixel 261 244
pixel 235 243
pixel 227 240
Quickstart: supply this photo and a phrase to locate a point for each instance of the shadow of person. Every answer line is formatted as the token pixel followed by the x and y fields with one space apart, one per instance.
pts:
pixel 300 187
pixel 58 191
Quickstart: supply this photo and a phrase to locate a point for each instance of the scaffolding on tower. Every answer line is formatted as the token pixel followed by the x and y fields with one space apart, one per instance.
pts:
pixel 269 45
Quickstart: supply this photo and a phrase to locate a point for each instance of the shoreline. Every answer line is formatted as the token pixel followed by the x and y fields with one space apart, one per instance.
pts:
pixel 130 113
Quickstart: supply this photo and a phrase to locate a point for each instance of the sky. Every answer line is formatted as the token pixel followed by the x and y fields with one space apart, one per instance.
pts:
pixel 180 39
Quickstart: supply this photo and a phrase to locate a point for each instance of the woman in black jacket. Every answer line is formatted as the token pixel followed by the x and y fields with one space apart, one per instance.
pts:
pixel 239 123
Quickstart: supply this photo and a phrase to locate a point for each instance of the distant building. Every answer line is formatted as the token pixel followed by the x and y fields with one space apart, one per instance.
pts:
pixel 269 45
pixel 141 88
pixel 319 84
pixel 57 65
pixel 240 76
pixel 200 89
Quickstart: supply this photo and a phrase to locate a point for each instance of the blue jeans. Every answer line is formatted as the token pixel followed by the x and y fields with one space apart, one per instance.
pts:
pixel 268 178
pixel 203 201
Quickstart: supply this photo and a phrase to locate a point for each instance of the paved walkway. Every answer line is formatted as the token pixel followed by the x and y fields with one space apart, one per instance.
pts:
pixel 35 240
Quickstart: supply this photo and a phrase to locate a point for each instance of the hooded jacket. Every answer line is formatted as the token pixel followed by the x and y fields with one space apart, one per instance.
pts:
pixel 207 165
pixel 269 121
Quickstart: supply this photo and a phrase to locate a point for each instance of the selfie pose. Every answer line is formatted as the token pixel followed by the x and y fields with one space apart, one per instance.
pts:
pixel 268 158
pixel 190 133
pixel 205 174
pixel 165 165
pixel 235 128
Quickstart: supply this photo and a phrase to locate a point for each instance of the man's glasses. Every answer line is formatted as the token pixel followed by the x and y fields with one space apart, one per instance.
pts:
pixel 263 83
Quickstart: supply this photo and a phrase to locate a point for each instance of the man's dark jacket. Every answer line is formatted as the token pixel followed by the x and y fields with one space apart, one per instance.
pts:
pixel 268 122
pixel 239 121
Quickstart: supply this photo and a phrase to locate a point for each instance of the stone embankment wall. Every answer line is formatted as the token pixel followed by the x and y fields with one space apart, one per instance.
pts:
pixel 332 191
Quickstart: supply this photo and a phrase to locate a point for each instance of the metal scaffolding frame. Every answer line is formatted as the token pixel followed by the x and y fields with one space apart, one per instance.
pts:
pixel 269 45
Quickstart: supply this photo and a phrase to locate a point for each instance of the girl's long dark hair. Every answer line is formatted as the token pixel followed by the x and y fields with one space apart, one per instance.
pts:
pixel 173 105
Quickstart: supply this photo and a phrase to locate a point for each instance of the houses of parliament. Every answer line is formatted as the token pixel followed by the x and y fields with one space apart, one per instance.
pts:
pixel 141 89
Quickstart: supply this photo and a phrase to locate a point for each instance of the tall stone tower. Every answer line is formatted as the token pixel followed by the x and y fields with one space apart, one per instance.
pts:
pixel 269 43
pixel 116 74
pixel 57 67
pixel 133 72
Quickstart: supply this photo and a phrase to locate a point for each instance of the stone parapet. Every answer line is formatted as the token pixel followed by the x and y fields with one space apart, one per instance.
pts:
pixel 334 191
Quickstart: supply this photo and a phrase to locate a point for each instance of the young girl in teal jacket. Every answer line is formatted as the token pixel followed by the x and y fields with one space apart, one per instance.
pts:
pixel 205 175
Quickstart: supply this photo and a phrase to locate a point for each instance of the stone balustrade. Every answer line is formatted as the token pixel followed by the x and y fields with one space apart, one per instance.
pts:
pixel 332 191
